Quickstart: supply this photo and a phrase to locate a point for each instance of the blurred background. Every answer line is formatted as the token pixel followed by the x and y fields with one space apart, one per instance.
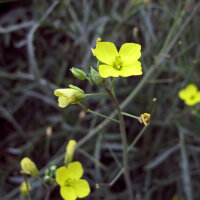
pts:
pixel 41 40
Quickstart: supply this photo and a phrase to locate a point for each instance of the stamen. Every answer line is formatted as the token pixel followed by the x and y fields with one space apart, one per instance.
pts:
pixel 117 64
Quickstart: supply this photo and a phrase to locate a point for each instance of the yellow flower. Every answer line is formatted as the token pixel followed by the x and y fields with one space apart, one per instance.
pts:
pixel 71 184
pixel 70 149
pixel 190 95
pixel 25 188
pixel 145 118
pixel 68 96
pixel 123 63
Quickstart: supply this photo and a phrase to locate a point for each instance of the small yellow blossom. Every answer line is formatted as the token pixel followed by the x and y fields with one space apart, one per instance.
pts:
pixel 123 63
pixel 190 95
pixel 68 96
pixel 29 167
pixel 145 118
pixel 25 188
pixel 71 184
pixel 70 149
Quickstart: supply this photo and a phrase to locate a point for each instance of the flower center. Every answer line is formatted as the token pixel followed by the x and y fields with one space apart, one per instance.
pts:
pixel 117 64
pixel 69 182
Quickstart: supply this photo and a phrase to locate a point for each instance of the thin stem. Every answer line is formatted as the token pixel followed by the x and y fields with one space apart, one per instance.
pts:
pixel 129 149
pixel 104 116
pixel 42 182
pixel 96 113
pixel 94 94
pixel 124 142
pixel 116 177
pixel 49 193
pixel 137 138
pixel 130 115
pixel 27 186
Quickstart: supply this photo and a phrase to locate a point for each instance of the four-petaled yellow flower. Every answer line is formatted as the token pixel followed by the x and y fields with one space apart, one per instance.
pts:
pixel 72 186
pixel 68 96
pixel 190 95
pixel 123 63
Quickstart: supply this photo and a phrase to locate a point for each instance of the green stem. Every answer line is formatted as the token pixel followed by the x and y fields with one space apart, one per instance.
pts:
pixel 94 94
pixel 104 116
pixel 27 186
pixel 124 142
pixel 96 113
pixel 137 138
pixel 130 115
pixel 42 182
pixel 129 149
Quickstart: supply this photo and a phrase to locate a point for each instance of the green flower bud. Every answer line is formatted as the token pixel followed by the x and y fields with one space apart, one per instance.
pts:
pixel 46 178
pixel 78 73
pixel 53 168
pixel 29 167
pixel 94 76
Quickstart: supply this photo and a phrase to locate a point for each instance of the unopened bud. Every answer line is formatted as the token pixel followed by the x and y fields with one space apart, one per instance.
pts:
pixel 25 188
pixel 78 73
pixel 70 149
pixel 29 167
pixel 94 76
pixel 49 131
pixel 135 32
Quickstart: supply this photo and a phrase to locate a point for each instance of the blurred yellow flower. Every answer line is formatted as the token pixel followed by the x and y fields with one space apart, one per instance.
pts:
pixel 29 167
pixel 69 179
pixel 190 95
pixel 68 96
pixel 25 188
pixel 145 118
pixel 123 63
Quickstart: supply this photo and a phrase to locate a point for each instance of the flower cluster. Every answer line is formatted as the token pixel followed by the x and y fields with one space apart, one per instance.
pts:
pixel 190 95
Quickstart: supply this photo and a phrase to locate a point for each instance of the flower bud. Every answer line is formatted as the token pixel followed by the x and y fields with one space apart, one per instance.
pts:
pixel 25 188
pixel 94 77
pixel 78 73
pixel 70 149
pixel 29 167
pixel 145 118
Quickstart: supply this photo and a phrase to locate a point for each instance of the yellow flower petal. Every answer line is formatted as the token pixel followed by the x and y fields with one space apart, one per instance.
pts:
pixel 75 170
pixel 193 99
pixel 81 188
pixel 105 52
pixel 63 101
pixel 108 70
pixel 67 193
pixel 66 92
pixel 61 175
pixel 131 69
pixel 130 52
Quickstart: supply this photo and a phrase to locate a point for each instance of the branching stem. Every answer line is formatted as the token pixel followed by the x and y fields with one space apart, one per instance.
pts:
pixel 124 142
